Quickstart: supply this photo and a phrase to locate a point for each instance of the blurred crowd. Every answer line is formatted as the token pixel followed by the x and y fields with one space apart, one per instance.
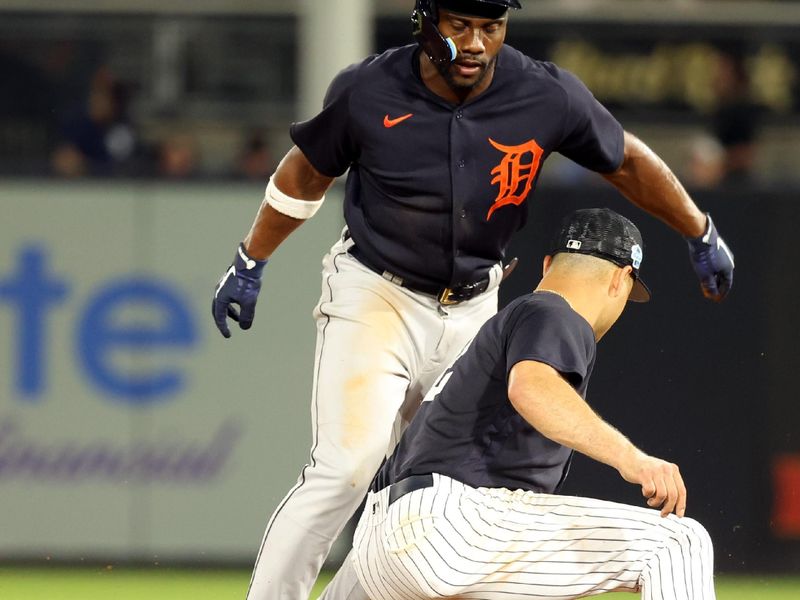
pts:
pixel 726 154
pixel 52 125
pixel 99 138
pixel 61 119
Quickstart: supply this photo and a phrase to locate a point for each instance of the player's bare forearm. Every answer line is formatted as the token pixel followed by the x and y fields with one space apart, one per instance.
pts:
pixel 270 228
pixel 546 401
pixel 295 177
pixel 646 180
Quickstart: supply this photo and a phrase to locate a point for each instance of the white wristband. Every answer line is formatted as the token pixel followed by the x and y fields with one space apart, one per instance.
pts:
pixel 291 207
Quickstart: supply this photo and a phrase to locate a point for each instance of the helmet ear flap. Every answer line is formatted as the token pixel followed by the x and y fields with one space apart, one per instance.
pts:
pixel 439 49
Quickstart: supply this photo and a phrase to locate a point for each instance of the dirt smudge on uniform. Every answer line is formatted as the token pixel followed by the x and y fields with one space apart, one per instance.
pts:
pixel 364 389
pixel 356 408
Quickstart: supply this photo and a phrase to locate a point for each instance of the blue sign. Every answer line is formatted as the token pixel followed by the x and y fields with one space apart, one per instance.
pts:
pixel 31 292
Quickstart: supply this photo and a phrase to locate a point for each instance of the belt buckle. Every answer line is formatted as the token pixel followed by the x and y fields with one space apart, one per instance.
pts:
pixel 445 297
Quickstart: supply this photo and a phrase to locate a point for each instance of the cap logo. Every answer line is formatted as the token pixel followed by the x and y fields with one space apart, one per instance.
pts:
pixel 636 255
pixel 574 244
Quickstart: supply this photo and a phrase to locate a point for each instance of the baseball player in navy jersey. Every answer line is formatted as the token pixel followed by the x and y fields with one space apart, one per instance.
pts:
pixel 467 507
pixel 443 141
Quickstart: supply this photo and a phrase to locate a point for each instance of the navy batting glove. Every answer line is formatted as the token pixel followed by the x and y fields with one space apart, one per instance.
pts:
pixel 713 262
pixel 239 285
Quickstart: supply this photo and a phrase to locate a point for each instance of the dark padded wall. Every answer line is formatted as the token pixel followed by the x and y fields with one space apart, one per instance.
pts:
pixel 709 387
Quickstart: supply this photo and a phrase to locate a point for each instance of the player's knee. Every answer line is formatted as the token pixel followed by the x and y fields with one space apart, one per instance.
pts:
pixel 350 472
pixel 689 540
pixel 698 537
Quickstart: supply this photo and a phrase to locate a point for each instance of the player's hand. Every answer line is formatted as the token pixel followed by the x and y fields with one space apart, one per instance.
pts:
pixel 239 285
pixel 713 262
pixel 661 483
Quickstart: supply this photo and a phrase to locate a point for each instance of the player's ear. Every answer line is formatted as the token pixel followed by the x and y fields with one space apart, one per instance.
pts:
pixel 619 283
pixel 548 260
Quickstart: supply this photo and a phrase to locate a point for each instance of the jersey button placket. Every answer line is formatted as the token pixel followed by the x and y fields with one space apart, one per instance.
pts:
pixel 460 187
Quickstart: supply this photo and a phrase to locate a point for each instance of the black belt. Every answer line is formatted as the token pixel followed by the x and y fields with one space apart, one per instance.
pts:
pixel 446 296
pixel 408 485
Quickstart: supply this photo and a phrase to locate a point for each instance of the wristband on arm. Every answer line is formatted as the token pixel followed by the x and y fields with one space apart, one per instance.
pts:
pixel 291 207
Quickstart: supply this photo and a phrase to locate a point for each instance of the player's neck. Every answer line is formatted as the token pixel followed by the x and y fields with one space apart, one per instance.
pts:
pixel 439 85
pixel 581 299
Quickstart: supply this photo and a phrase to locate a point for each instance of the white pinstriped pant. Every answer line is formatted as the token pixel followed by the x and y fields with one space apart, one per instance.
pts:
pixel 454 541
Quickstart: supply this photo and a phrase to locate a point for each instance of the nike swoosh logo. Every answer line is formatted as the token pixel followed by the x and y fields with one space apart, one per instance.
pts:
pixel 387 122
pixel 724 247
pixel 231 272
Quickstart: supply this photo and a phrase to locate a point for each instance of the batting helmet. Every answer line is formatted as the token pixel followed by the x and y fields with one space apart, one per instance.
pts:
pixel 442 50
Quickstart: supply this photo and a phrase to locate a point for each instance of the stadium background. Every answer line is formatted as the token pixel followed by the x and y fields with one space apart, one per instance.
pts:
pixel 135 141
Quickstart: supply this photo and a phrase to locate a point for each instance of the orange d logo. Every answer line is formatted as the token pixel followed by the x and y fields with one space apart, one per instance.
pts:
pixel 514 176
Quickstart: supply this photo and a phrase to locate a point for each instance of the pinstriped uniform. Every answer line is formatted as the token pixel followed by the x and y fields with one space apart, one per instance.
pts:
pixel 467 505
pixel 452 540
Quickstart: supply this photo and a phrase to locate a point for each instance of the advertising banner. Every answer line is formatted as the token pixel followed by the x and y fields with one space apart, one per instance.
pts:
pixel 661 70
pixel 129 428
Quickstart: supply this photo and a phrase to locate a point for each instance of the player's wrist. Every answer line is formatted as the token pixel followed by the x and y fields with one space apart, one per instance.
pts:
pixel 698 229
pixel 253 250
pixel 628 461
pixel 703 238
pixel 245 263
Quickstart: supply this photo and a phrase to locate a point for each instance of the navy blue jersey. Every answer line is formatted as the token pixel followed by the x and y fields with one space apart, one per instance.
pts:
pixel 470 431
pixel 435 190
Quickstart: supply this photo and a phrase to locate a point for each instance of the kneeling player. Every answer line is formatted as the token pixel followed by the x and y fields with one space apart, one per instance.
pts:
pixel 467 504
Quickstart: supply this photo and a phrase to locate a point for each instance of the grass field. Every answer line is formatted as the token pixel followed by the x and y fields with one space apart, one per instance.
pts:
pixel 167 584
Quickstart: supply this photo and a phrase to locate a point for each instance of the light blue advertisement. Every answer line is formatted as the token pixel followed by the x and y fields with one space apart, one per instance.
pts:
pixel 129 428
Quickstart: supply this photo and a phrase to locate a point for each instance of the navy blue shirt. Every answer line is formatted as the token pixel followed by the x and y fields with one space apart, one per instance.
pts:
pixel 470 431
pixel 435 190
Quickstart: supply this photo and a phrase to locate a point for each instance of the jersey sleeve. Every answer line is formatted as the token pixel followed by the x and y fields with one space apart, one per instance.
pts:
pixel 553 336
pixel 327 139
pixel 592 137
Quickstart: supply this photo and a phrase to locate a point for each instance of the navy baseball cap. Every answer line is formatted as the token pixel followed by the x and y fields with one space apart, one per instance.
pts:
pixel 490 9
pixel 603 233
